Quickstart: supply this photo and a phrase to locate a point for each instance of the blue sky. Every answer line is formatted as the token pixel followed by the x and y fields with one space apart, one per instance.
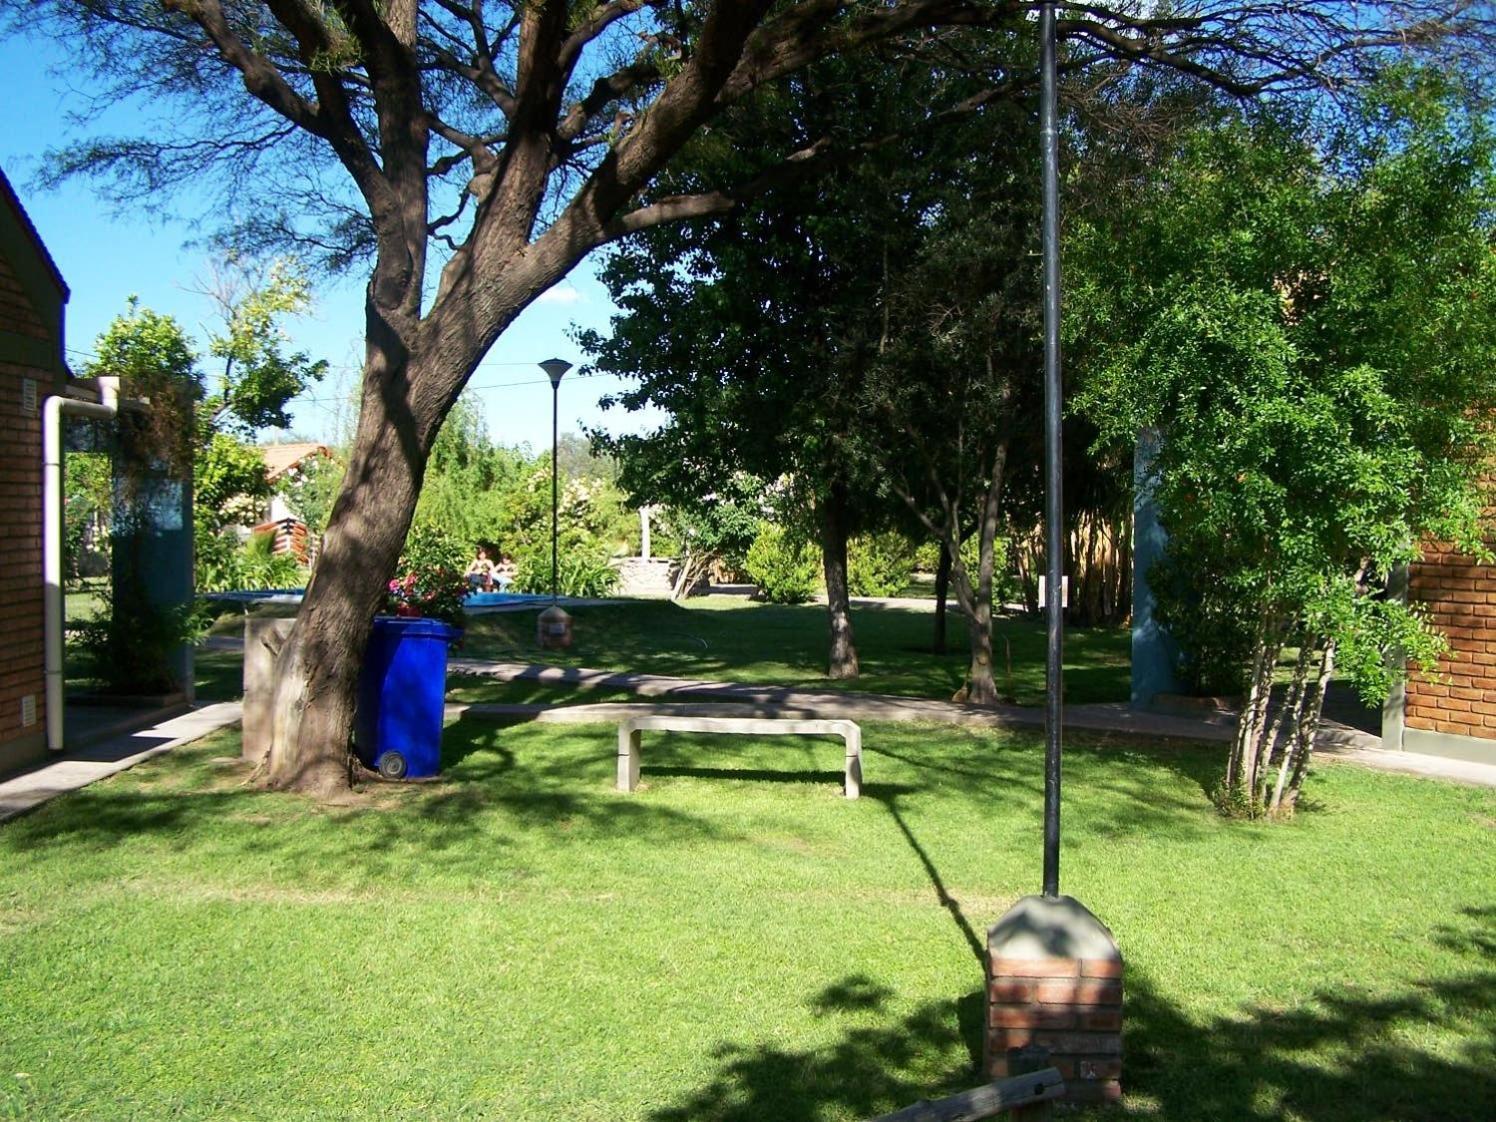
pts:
pixel 105 258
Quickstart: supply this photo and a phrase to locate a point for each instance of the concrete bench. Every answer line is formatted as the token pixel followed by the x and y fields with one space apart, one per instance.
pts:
pixel 630 727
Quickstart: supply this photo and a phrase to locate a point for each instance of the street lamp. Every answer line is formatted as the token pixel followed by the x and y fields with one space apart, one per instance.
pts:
pixel 554 369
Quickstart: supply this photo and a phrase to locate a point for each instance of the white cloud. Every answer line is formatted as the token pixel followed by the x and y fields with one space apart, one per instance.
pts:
pixel 560 294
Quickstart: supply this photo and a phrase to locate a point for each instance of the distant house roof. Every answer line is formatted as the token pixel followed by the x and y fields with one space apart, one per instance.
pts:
pixel 281 458
pixel 12 201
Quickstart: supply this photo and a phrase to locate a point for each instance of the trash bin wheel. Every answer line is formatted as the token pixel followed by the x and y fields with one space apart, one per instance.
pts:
pixel 392 765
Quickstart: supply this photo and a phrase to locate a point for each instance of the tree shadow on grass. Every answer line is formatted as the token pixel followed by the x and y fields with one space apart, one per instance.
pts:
pixel 1340 1056
pixel 463 823
pixel 1336 1057
pixel 867 1071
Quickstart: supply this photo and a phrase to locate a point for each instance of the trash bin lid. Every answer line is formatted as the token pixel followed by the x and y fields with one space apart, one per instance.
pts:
pixel 417 627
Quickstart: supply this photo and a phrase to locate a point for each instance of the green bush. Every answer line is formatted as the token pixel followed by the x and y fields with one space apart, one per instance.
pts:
pixel 927 556
pixel 261 567
pixel 223 565
pixel 130 646
pixel 428 546
pixel 786 570
pixel 879 564
pixel 579 572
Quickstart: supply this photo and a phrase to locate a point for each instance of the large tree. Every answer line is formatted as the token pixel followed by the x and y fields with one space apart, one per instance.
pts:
pixel 1310 323
pixel 470 153
pixel 752 331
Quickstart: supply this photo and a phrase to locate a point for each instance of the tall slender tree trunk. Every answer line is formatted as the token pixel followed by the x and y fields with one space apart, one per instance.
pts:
pixel 833 526
pixel 981 689
pixel 1286 799
pixel 942 590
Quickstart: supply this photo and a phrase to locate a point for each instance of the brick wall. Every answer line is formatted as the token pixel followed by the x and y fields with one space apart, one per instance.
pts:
pixel 1460 597
pixel 16 312
pixel 20 550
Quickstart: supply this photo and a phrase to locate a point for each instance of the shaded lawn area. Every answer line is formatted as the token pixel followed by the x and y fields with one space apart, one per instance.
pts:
pixel 734 942
pixel 722 638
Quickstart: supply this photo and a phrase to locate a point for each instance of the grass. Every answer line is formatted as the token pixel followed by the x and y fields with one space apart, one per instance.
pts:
pixel 723 638
pixel 735 943
pixel 732 639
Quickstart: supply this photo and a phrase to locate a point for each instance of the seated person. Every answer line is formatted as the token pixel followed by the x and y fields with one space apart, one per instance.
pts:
pixel 503 572
pixel 480 571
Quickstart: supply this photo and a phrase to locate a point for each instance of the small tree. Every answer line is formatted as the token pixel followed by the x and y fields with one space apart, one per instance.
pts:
pixel 1313 330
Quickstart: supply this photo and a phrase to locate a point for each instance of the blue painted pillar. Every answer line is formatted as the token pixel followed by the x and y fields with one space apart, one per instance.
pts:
pixel 1155 656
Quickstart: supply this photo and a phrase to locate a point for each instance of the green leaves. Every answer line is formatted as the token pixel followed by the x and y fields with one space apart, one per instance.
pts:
pixel 259 378
pixel 1311 322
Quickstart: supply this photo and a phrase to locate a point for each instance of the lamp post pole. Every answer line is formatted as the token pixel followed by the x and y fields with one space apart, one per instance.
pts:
pixel 1053 478
pixel 554 369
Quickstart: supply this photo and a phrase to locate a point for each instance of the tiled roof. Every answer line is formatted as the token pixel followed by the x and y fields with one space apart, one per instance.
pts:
pixel 281 458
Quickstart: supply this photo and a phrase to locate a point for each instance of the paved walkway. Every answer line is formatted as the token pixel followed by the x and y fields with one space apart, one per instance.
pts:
pixel 79 768
pixel 1335 741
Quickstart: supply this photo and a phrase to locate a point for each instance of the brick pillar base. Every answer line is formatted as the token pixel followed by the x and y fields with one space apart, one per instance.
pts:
pixel 1054 978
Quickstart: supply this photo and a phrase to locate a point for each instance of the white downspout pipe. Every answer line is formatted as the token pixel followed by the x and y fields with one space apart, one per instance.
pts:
pixel 53 411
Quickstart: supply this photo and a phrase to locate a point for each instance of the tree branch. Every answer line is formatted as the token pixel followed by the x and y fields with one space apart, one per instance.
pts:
pixel 260 75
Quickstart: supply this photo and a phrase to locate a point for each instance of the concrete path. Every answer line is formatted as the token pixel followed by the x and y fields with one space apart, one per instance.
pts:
pixel 78 769
pixel 1336 742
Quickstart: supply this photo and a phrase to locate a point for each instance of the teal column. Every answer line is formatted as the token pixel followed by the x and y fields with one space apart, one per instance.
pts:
pixel 152 554
pixel 1155 656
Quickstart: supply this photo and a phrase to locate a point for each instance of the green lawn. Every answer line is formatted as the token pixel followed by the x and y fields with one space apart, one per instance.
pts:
pixel 724 638
pixel 734 942
pixel 733 639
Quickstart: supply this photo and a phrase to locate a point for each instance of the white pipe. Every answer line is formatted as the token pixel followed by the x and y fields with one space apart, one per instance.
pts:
pixel 52 413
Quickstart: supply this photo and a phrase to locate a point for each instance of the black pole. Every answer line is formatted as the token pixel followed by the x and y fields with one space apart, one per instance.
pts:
pixel 1053 498
pixel 555 406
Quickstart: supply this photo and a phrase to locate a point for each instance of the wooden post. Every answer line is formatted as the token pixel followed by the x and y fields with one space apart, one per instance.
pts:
pixel 1011 1094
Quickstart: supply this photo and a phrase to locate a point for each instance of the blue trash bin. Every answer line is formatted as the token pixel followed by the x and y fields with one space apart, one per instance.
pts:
pixel 402 696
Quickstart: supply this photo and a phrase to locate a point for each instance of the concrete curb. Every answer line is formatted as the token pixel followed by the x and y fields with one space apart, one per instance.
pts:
pixel 1335 742
pixel 108 757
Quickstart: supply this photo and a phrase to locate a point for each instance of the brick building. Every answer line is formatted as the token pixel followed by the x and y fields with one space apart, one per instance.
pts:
pixel 32 297
pixel 1451 713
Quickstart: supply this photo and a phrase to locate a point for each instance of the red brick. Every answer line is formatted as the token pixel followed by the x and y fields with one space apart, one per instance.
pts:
pixel 1101 967
pixel 1080 992
pixel 999 1040
pixel 1034 967
pixel 1099 1018
pixel 1101 1091
pixel 1031 1016
pixel 1010 990
pixel 1097 1069
pixel 1080 1043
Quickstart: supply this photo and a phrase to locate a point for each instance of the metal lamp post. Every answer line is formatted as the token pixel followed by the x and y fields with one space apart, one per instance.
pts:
pixel 1041 938
pixel 554 369
pixel 1054 533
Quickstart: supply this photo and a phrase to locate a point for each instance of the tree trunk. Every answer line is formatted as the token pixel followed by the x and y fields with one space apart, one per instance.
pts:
pixel 942 589
pixel 980 687
pixel 1284 801
pixel 833 525
pixel 1282 737
pixel 317 670
pixel 1241 764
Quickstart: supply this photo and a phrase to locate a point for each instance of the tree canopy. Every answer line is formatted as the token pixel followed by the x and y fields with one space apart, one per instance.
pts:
pixel 1311 328
pixel 469 154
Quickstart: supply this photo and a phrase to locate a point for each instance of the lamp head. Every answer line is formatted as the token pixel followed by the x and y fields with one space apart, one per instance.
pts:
pixel 554 368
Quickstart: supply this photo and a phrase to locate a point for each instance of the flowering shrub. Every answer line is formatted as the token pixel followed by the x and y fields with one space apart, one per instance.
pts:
pixel 434 592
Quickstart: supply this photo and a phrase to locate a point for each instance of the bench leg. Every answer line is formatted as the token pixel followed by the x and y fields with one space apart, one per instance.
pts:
pixel 628 759
pixel 853 740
